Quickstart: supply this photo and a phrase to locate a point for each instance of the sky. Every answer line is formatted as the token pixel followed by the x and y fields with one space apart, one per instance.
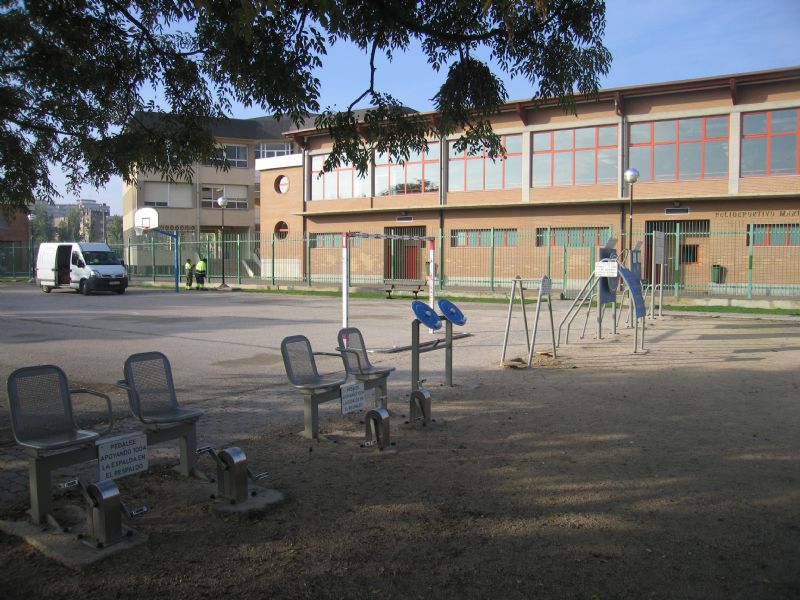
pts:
pixel 651 41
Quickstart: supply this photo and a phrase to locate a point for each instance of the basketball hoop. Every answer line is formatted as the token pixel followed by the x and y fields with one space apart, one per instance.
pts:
pixel 140 230
pixel 144 220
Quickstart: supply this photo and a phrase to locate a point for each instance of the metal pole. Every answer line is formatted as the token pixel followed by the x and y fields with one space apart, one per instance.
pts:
pixel 750 263
pixel 508 317
pixel 153 256
pixel 491 261
pixel 630 227
pixel 345 284
pixel 448 351
pixel 677 284
pixel 532 342
pixel 431 271
pixel 176 259
pixel 415 355
pixel 661 292
pixel 273 259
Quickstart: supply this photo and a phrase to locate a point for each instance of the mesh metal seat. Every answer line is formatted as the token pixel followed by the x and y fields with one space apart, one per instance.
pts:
pixel 40 404
pixel 151 391
pixel 301 369
pixel 357 363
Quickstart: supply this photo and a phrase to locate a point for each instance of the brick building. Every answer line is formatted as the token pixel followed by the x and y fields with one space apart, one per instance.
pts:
pixel 719 164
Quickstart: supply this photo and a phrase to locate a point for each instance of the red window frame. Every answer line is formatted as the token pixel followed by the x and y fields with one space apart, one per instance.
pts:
pixel 508 235
pixel 552 151
pixel 424 160
pixel 346 168
pixel 769 135
pixel 541 234
pixel 677 143
pixel 483 156
pixel 766 230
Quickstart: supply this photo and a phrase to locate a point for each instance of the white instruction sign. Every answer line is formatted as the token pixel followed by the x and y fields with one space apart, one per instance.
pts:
pixel 352 397
pixel 606 268
pixel 659 247
pixel 122 455
pixel 546 286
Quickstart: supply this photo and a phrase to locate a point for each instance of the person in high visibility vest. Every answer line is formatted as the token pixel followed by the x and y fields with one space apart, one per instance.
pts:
pixel 188 270
pixel 200 274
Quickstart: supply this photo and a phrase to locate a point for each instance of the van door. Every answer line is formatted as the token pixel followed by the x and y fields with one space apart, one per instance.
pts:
pixel 76 269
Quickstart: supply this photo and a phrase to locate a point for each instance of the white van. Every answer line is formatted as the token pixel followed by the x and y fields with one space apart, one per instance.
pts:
pixel 81 266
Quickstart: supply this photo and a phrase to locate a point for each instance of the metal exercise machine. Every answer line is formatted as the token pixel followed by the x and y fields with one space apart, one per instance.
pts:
pixel 427 316
pixel 233 474
pixel 545 289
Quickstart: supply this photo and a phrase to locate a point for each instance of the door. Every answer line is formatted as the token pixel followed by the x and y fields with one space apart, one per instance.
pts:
pixel 402 258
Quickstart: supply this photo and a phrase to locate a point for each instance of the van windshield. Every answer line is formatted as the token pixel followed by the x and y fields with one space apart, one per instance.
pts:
pixel 100 257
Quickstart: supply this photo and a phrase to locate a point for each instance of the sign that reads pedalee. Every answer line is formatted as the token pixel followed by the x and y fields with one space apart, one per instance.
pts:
pixel 352 397
pixel 122 455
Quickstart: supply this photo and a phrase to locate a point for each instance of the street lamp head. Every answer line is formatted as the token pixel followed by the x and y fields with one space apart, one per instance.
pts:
pixel 631 175
pixel 222 201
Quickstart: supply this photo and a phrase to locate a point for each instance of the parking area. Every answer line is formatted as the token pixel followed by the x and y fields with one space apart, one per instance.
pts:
pixel 670 474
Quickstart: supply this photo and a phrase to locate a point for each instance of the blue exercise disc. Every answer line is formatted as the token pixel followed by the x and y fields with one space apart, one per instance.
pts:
pixel 426 314
pixel 451 312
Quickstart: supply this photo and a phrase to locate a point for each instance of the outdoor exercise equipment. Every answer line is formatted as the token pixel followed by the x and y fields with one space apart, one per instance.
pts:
pixel 639 309
pixel 233 474
pixel 545 289
pixel 427 316
pixel 419 407
pixel 377 429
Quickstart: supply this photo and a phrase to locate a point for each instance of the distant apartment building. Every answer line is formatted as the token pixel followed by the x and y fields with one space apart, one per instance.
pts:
pixel 191 207
pixel 94 218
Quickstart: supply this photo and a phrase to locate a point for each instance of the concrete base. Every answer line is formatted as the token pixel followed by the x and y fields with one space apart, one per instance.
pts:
pixel 434 424
pixel 67 548
pixel 259 501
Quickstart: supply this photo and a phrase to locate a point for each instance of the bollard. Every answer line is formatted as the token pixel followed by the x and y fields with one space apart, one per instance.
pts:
pixel 419 407
pixel 377 429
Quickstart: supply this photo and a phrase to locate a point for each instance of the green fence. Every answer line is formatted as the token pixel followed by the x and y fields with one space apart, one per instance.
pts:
pixel 697 263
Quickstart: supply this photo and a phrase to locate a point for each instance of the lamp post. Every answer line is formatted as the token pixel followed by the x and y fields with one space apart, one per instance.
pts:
pixel 223 202
pixel 631 176
pixel 31 274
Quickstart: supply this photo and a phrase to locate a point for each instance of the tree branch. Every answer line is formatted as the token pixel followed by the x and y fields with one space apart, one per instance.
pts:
pixel 432 32
pixel 371 88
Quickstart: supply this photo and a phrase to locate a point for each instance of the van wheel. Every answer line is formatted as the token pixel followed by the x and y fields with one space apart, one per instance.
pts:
pixel 46 289
pixel 84 288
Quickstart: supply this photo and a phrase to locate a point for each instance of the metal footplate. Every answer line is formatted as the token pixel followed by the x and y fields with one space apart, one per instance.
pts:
pixel 232 474
pixel 377 429
pixel 419 407
pixel 106 509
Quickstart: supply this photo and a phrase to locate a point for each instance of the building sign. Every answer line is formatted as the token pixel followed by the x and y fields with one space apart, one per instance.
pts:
pixel 747 214
pixel 122 455
pixel 352 397
pixel 189 228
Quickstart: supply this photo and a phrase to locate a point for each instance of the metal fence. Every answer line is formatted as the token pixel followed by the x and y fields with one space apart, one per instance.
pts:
pixel 697 262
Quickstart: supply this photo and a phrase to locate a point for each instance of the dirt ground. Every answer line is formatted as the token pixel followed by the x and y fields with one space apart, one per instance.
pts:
pixel 595 475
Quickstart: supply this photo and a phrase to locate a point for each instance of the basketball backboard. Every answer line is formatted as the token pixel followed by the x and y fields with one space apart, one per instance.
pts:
pixel 145 219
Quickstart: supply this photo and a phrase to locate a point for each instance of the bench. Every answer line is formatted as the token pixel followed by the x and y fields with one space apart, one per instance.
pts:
pixel 400 285
pixel 357 364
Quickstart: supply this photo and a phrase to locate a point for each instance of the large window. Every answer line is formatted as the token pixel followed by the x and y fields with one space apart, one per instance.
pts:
pixel 271 149
pixel 419 174
pixel 680 149
pixel 770 143
pixel 582 156
pixel 479 172
pixel 235 155
pixel 343 182
pixel 773 234
pixel 332 240
pixel 482 238
pixel 575 237
pixel 162 194
pixel 236 195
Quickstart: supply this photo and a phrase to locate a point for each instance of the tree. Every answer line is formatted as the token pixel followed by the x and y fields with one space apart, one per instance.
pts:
pixel 73 75
pixel 41 225
pixel 69 228
pixel 114 230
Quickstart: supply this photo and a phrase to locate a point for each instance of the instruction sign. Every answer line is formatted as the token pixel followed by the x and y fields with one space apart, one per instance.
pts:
pixel 122 455
pixel 606 268
pixel 659 247
pixel 352 397
pixel 546 286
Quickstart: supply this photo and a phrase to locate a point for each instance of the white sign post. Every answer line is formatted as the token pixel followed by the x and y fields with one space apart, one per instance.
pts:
pixel 352 397
pixel 122 455
pixel 606 268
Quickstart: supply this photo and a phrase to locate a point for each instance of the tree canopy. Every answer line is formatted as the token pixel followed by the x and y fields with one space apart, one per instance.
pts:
pixel 76 75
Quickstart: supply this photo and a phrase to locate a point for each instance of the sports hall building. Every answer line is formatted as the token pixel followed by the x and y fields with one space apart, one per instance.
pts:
pixel 719 164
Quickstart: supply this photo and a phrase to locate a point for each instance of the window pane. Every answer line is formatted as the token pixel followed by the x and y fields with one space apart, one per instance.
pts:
pixel 784 121
pixel 754 123
pixel 541 170
pixel 589 236
pixel 414 156
pixel 560 237
pixel 754 156
pixel 513 172
pixel 640 133
pixel 472 237
pixel 607 165
pixel 562 140
pixel 783 155
pixel 716 127
pixel 317 162
pixel 381 158
pixel 413 178
pixel 640 160
pixel 494 174
pixel 345 184
pixel 451 150
pixel 330 185
pixel 513 143
pixel 689 161
pixel 474 174
pixel 433 151
pixel 759 235
pixel 575 236
pixel 607 136
pixel 794 235
pixel 485 237
pixel 360 187
pixel 455 176
pixel 664 131
pixel 691 129
pixel 381 180
pixel 431 178
pixel 664 162
pixel 397 184
pixel 777 235
pixel 716 159
pixel 585 137
pixel 562 168
pixel 541 141
pixel 584 166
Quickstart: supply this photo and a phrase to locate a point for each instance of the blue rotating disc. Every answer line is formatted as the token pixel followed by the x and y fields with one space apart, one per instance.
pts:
pixel 451 312
pixel 426 314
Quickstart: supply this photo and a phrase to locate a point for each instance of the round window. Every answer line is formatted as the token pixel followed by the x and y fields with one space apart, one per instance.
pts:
pixel 282 184
pixel 281 230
